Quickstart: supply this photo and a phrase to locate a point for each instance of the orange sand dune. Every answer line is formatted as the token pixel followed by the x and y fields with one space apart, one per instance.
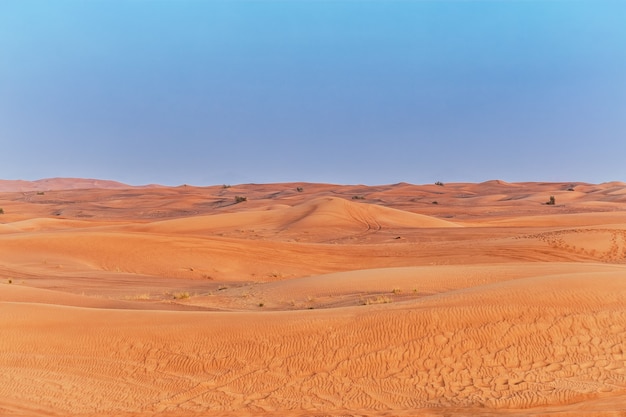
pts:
pixel 322 216
pixel 312 299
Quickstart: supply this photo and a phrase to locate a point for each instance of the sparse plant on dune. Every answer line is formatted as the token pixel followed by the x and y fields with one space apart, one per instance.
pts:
pixel 225 186
pixel 396 291
pixel 138 297
pixel 439 183
pixel 240 199
pixel 381 299
pixel 552 201
pixel 358 197
pixel 435 202
pixel 1 210
pixel 299 189
pixel 181 295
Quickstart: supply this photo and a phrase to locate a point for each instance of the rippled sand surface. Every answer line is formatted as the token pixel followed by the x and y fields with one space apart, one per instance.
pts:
pixel 312 299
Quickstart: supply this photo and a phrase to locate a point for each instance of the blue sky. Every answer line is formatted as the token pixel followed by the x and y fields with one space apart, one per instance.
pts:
pixel 375 92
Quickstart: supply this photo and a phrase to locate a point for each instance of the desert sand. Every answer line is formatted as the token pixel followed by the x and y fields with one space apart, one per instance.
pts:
pixel 312 299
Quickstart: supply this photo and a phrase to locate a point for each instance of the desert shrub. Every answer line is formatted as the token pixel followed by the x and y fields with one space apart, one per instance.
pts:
pixel 226 186
pixel 381 299
pixel 1 210
pixel 435 202
pixel 240 199
pixel 181 295
pixel 439 183
pixel 358 197
pixel 299 189
pixel 144 296
pixel 552 201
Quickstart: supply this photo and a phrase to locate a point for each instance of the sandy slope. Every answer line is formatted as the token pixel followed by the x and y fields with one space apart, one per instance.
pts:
pixel 313 299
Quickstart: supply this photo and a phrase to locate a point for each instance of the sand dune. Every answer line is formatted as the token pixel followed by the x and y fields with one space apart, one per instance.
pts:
pixel 312 299
pixel 323 217
pixel 468 349
pixel 58 184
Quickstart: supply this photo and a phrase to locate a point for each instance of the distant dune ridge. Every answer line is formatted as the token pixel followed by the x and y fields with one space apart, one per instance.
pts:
pixel 312 299
pixel 50 184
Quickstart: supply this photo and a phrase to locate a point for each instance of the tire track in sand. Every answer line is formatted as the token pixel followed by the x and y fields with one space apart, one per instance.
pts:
pixel 465 350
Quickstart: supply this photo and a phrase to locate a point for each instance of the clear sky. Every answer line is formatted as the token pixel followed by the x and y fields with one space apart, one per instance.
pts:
pixel 359 92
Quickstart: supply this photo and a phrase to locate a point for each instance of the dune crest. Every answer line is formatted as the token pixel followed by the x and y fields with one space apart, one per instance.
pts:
pixel 53 184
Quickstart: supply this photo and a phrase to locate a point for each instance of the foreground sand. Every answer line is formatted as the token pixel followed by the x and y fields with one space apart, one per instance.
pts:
pixel 312 299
